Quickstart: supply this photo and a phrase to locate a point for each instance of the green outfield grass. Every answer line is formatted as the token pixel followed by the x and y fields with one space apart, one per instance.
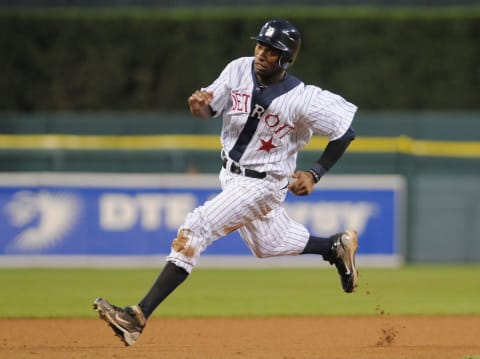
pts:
pixel 425 290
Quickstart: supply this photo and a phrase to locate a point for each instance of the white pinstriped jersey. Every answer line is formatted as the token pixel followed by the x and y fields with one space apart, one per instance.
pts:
pixel 287 124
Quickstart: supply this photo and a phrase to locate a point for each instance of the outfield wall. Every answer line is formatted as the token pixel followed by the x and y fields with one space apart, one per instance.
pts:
pixel 438 154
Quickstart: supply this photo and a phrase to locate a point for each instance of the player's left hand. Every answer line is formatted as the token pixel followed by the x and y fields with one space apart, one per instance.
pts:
pixel 303 184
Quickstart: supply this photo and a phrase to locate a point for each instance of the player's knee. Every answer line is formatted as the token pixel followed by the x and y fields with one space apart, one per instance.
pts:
pixel 183 243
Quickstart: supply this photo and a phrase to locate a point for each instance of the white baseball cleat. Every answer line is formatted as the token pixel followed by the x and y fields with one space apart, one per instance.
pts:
pixel 344 247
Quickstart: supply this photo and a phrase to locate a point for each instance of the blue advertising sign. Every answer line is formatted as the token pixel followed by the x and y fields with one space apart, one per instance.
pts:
pixel 139 215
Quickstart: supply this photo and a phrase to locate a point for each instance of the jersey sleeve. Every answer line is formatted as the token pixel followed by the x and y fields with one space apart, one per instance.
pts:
pixel 221 90
pixel 328 114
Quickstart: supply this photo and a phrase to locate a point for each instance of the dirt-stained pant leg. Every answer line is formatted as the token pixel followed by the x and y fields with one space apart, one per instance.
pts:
pixel 242 201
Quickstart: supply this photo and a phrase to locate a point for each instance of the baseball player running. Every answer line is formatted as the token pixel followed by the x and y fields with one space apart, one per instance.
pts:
pixel 268 116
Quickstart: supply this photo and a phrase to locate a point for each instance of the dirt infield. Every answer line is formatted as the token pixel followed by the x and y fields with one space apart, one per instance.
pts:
pixel 380 337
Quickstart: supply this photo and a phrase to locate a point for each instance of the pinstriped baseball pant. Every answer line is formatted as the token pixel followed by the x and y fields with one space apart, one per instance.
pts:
pixel 250 205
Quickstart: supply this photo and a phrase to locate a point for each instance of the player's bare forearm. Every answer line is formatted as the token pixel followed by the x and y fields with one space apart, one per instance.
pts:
pixel 303 184
pixel 199 103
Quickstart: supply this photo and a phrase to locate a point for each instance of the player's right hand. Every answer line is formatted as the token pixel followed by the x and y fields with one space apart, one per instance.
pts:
pixel 199 103
pixel 200 99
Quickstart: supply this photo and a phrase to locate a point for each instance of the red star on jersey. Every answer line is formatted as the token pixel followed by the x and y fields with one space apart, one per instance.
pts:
pixel 267 145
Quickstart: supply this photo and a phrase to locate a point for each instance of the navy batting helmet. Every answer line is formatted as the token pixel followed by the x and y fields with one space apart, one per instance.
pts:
pixel 283 36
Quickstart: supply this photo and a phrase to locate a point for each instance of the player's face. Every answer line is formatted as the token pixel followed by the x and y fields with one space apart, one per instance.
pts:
pixel 266 60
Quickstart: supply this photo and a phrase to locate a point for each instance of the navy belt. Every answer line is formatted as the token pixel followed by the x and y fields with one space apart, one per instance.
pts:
pixel 249 173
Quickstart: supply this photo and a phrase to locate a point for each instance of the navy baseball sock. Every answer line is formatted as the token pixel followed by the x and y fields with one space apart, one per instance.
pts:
pixel 319 245
pixel 169 279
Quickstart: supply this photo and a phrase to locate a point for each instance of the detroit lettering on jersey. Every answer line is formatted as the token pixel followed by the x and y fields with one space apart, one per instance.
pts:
pixel 263 130
pixel 261 99
pixel 241 103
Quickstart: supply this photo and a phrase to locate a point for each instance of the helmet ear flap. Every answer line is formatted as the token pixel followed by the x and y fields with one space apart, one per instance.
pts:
pixel 283 64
